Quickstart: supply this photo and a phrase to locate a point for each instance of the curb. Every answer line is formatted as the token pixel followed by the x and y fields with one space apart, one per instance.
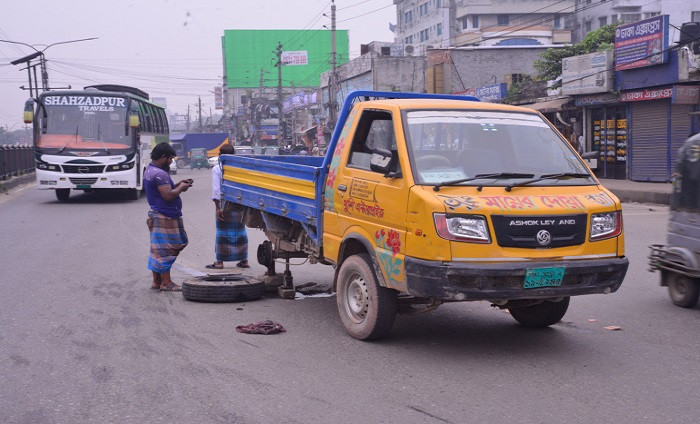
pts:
pixel 638 196
pixel 8 185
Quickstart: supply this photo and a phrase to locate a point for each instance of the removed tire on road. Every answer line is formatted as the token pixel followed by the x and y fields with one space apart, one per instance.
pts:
pixel 223 288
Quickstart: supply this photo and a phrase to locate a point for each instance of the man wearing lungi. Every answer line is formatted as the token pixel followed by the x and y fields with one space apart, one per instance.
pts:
pixel 231 238
pixel 168 236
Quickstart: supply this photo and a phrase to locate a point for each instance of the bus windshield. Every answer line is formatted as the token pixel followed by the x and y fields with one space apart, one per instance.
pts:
pixel 84 122
pixel 449 145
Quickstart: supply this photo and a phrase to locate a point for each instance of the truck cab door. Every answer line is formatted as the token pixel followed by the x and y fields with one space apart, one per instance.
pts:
pixel 371 203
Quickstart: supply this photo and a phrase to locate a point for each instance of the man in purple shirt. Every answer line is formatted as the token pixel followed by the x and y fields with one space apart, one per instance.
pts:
pixel 168 236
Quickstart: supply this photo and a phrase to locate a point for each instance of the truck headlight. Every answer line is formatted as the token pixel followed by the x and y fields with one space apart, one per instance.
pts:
pixel 469 228
pixel 121 166
pixel 606 225
pixel 47 166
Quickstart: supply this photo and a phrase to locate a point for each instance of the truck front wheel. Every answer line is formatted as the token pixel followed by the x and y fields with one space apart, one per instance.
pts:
pixel 366 309
pixel 62 194
pixel 541 314
pixel 682 290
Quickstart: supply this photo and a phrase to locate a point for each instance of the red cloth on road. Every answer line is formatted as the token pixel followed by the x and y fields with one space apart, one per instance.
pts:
pixel 262 327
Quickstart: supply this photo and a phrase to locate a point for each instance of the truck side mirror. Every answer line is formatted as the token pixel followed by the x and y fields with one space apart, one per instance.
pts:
pixel 29 111
pixel 134 120
pixel 384 161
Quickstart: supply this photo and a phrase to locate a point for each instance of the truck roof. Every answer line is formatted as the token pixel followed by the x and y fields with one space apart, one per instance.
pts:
pixel 444 104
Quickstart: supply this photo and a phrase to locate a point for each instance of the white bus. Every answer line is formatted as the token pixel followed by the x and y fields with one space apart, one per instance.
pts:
pixel 97 138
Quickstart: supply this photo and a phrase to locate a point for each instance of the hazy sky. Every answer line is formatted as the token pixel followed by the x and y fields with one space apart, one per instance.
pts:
pixel 168 48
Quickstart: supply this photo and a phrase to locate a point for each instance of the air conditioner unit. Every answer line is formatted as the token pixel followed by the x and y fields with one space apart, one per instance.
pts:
pixel 409 50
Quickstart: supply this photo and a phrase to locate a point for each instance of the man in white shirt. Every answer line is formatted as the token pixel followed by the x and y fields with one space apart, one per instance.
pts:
pixel 231 237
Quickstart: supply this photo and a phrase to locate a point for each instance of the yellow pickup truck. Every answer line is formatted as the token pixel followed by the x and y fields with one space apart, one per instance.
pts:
pixel 424 199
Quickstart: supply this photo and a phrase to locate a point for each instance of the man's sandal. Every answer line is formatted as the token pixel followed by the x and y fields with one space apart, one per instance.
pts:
pixel 243 264
pixel 214 266
pixel 171 287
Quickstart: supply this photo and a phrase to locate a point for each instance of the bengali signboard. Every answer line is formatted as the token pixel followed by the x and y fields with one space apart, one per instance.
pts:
pixel 492 93
pixel 643 43
pixel 644 95
pixel 587 74
pixel 218 98
pixel 296 57
pixel 686 95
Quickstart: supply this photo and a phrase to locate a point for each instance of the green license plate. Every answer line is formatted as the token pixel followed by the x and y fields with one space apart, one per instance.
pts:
pixel 83 186
pixel 543 277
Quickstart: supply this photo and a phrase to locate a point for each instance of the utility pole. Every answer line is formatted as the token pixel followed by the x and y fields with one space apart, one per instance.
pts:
pixel 187 126
pixel 280 114
pixel 334 63
pixel 200 114
pixel 31 67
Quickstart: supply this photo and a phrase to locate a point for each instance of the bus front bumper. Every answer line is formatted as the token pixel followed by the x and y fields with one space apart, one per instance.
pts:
pixel 455 281
pixel 48 180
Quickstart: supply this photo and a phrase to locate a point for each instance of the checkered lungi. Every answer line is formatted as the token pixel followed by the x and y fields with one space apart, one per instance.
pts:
pixel 168 238
pixel 231 236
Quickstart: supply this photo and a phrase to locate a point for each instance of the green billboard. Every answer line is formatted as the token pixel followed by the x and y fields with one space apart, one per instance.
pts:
pixel 306 54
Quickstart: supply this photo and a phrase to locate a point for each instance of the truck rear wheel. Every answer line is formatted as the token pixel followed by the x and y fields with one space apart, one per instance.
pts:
pixel 181 164
pixel 541 314
pixel 62 194
pixel 683 290
pixel 366 309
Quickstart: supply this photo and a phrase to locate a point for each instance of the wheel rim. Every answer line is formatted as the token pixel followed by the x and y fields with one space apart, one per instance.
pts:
pixel 357 299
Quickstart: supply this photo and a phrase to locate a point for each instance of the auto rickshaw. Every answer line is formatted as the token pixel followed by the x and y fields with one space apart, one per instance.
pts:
pixel 198 159
pixel 679 261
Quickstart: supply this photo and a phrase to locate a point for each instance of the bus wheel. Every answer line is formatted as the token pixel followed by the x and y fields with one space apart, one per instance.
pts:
pixel 134 194
pixel 62 194
pixel 367 310
pixel 682 290
pixel 541 314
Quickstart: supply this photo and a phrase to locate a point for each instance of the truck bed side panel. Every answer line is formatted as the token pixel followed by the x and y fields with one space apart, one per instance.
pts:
pixel 284 186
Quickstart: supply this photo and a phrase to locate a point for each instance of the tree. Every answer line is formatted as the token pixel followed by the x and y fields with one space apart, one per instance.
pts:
pixel 549 67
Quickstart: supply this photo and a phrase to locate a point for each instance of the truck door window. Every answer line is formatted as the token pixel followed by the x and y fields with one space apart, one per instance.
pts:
pixel 375 131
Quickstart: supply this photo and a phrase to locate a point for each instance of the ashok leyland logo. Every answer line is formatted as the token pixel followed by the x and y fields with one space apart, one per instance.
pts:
pixel 544 238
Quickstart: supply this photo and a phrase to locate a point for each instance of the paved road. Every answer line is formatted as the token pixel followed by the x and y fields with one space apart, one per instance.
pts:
pixel 83 339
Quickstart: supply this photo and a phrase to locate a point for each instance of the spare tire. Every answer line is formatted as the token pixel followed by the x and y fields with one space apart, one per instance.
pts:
pixel 223 288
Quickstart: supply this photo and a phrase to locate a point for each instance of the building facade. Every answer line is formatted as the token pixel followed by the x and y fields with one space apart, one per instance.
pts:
pixel 593 14
pixel 450 23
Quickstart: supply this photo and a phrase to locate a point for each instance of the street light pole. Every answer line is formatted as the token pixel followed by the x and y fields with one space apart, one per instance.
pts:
pixel 31 67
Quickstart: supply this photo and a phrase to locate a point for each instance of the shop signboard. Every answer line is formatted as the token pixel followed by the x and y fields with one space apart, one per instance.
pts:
pixel 492 93
pixel 686 95
pixel 588 73
pixel 643 95
pixel 218 98
pixel 596 100
pixel 642 43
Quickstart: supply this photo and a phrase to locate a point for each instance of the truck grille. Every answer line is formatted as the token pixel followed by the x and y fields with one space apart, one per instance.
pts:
pixel 540 231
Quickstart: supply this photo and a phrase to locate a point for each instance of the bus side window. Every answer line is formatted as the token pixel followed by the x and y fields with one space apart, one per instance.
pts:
pixel 164 120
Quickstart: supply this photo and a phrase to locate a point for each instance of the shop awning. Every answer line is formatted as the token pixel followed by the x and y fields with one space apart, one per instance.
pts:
pixel 549 105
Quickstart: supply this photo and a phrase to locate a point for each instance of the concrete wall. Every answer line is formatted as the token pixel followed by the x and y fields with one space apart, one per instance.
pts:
pixel 480 66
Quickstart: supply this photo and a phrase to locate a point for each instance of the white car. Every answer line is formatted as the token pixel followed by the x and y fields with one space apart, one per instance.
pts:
pixel 213 161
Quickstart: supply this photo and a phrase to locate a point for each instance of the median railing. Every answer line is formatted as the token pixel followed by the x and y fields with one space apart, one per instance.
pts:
pixel 15 160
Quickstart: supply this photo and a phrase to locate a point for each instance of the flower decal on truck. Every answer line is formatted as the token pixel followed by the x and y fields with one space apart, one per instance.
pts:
pixel 388 246
pixel 329 192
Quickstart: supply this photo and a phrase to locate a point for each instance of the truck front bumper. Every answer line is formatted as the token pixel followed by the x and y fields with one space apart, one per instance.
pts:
pixel 504 280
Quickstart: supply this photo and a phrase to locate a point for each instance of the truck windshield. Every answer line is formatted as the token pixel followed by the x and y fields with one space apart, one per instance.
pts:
pixel 78 122
pixel 449 145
